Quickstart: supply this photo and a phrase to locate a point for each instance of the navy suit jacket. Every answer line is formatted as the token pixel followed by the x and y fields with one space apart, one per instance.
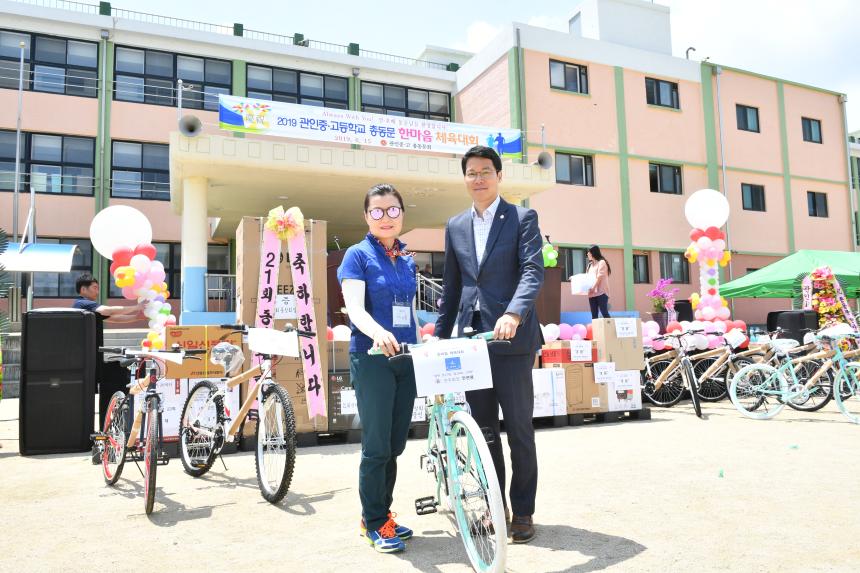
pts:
pixel 508 278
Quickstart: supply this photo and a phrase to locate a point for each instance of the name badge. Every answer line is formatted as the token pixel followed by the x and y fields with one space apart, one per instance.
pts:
pixel 402 316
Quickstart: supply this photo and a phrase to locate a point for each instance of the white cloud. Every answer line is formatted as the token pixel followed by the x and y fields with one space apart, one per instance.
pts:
pixel 557 23
pixel 478 35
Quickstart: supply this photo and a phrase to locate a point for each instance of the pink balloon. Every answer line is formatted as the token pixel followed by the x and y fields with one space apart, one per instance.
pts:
pixel 708 313
pixel 128 292
pixel 698 315
pixel 565 331
pixel 658 344
pixel 576 336
pixel 171 320
pixel 709 327
pixel 719 326
pixel 704 243
pixel 646 341
pixel 719 245
pixel 156 276
pixel 724 313
pixel 713 342
pixel 580 330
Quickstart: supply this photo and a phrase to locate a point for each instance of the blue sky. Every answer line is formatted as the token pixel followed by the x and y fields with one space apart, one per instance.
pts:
pixel 801 40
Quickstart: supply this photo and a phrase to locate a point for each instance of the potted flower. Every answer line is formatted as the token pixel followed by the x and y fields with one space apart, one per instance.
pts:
pixel 662 301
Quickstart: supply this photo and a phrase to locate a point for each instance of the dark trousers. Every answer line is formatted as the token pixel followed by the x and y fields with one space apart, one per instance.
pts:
pixel 514 392
pixel 601 303
pixel 385 393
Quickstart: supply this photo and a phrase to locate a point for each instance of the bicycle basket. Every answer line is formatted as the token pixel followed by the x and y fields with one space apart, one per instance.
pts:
pixel 227 355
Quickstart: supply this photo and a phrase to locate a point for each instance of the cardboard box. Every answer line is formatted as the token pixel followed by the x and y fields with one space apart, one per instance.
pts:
pixel 619 340
pixel 338 356
pixel 291 378
pixel 625 391
pixel 194 337
pixel 342 407
pixel 549 392
pixel 558 352
pixel 583 395
pixel 173 394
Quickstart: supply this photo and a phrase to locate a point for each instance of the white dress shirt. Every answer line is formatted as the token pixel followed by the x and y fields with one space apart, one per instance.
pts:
pixel 481 226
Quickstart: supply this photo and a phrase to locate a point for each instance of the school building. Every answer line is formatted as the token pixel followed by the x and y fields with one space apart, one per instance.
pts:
pixel 632 129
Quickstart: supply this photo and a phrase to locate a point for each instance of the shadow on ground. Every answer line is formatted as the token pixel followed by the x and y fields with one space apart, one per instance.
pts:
pixel 431 551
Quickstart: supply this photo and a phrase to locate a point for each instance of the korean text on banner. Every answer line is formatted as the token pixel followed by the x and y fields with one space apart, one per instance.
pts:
pixel 345 126
pixel 307 321
pixel 455 365
pixel 270 256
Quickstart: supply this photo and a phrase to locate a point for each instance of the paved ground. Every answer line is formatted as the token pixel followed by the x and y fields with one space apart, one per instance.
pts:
pixel 672 494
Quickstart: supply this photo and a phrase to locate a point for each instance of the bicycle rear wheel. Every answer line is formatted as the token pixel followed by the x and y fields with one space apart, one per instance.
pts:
pixel 756 391
pixel 476 496
pixel 817 396
pixel 848 396
pixel 200 434
pixel 116 423
pixel 276 443
pixel 670 392
pixel 713 388
pixel 150 454
pixel 694 387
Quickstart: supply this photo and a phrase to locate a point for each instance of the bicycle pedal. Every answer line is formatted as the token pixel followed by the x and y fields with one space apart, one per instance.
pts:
pixel 425 505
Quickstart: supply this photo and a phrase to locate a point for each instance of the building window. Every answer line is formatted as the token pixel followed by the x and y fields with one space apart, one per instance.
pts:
pixel 62 285
pixel 404 101
pixel 568 77
pixel 53 65
pixel 641 269
pixel 574 169
pixel 140 170
pixel 573 261
pixel 661 92
pixel 817 203
pixel 747 118
pixel 149 76
pixel 169 254
pixel 665 178
pixel 674 266
pixel 753 197
pixel 811 130
pixel 58 164
pixel 292 86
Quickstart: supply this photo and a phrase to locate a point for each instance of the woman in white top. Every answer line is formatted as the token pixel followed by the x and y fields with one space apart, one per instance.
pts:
pixel 598 270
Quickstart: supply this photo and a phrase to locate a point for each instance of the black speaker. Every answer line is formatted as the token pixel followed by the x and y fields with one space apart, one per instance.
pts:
pixel 58 373
pixel 684 308
pixel 793 322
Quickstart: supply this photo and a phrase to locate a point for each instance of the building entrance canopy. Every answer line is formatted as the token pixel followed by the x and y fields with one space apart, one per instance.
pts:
pixel 245 176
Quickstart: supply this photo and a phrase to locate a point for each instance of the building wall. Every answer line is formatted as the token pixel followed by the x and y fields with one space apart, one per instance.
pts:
pixel 485 101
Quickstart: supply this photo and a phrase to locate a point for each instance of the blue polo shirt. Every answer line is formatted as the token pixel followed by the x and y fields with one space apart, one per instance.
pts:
pixel 384 284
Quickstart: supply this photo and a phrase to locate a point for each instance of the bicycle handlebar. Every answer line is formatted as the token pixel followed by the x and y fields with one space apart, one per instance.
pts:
pixel 405 346
pixel 288 328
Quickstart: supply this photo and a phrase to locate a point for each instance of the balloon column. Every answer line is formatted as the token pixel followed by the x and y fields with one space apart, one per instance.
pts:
pixel 708 210
pixel 124 235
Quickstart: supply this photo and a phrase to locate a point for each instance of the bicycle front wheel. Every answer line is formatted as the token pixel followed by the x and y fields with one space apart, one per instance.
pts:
pixel 712 388
pixel 817 396
pixel 670 392
pixel 694 387
pixel 848 396
pixel 116 423
pixel 756 391
pixel 276 443
pixel 200 434
pixel 476 496
pixel 150 454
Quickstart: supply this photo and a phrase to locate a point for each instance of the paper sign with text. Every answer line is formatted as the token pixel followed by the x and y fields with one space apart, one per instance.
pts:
pixel 580 351
pixel 455 365
pixel 604 372
pixel 625 327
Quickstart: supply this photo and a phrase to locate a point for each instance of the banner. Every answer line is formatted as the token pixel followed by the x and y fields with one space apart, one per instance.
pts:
pixel 355 127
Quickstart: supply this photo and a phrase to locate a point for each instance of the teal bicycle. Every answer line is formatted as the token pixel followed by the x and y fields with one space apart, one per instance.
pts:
pixel 760 391
pixel 459 459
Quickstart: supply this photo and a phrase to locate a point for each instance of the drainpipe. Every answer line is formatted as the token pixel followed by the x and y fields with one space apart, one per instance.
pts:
pixel 718 71
pixel 100 203
pixel 520 94
pixel 843 99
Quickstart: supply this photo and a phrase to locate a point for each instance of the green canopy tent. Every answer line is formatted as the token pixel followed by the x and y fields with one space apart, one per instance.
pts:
pixel 783 278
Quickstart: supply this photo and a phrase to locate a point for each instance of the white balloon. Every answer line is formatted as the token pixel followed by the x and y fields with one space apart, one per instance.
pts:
pixel 341 333
pixel 551 332
pixel 706 208
pixel 119 226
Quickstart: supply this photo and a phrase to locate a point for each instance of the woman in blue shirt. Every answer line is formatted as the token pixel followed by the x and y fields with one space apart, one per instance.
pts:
pixel 377 277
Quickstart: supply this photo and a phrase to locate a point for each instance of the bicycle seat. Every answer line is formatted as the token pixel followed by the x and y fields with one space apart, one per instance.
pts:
pixel 784 344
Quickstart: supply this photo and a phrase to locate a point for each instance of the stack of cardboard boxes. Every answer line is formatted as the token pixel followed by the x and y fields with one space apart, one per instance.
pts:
pixel 600 375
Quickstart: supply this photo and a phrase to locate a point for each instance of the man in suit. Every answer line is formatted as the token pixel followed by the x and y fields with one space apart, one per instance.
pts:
pixel 493 272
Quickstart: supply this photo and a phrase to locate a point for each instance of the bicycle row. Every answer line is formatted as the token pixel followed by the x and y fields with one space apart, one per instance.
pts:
pixel 456 455
pixel 763 379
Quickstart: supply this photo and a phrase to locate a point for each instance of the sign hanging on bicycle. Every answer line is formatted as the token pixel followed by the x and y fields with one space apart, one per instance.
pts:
pixel 455 365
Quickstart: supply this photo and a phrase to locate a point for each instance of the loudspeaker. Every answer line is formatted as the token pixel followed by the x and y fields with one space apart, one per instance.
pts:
pixel 190 126
pixel 58 376
pixel 544 160
pixel 684 309
pixel 793 322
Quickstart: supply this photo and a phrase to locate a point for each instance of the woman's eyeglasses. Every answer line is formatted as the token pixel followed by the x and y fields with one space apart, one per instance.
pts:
pixel 377 213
